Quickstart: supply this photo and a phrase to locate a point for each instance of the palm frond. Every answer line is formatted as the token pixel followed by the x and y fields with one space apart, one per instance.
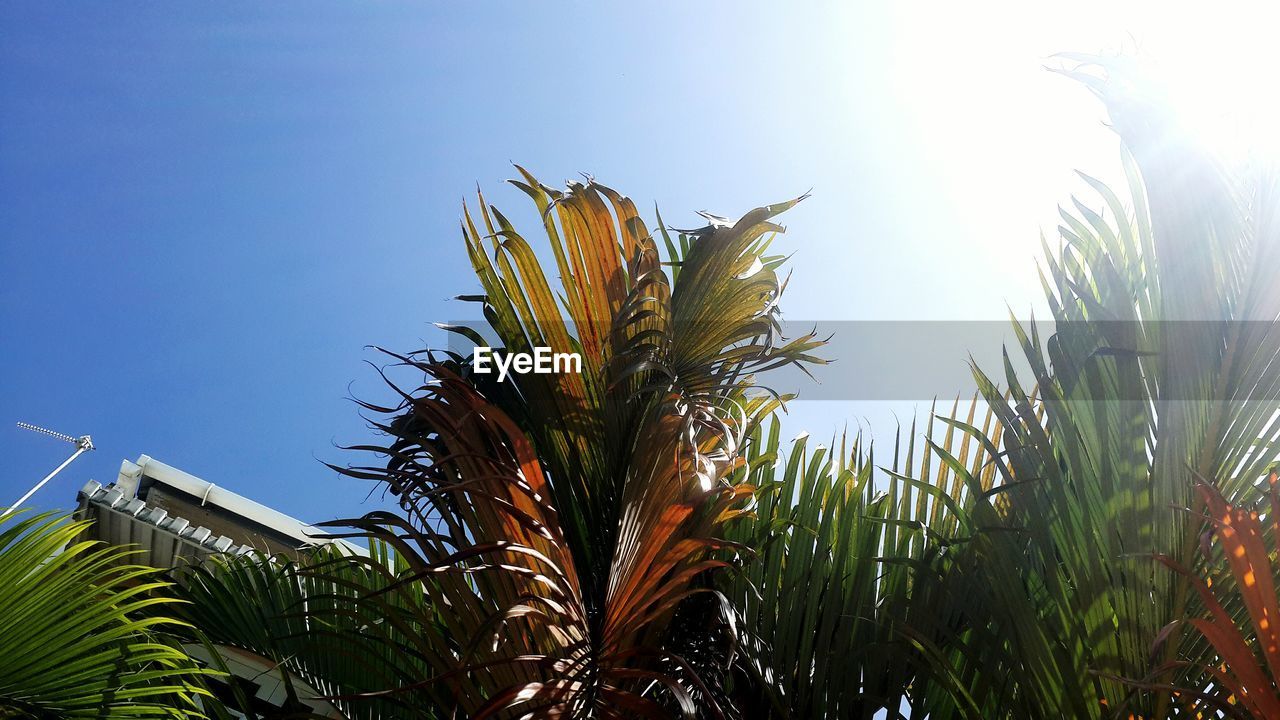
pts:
pixel 835 600
pixel 1244 677
pixel 308 620
pixel 84 633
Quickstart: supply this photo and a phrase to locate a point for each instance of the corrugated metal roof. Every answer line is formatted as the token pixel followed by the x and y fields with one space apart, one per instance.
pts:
pixel 167 540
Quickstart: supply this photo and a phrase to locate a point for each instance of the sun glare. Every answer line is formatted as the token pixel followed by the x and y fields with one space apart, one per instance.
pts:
pixel 1221 77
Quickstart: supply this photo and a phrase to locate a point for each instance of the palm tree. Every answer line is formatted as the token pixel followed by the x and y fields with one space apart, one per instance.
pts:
pixel 1160 371
pixel 84 633
pixel 558 526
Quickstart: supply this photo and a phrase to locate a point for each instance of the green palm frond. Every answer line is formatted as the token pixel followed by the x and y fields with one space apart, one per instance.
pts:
pixel 835 601
pixel 83 633
pixel 313 621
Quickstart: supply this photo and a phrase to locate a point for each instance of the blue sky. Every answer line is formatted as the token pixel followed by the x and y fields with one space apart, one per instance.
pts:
pixel 207 210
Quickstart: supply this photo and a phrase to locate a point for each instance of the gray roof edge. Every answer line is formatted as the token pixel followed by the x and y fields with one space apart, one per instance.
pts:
pixel 113 499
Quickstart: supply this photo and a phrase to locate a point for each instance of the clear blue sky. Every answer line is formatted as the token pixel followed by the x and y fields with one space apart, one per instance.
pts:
pixel 207 210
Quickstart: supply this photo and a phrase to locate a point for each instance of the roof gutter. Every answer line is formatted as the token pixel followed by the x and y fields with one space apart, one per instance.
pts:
pixel 131 474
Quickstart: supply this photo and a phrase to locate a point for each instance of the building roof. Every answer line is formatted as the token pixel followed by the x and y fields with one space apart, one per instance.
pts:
pixel 173 515
pixel 165 539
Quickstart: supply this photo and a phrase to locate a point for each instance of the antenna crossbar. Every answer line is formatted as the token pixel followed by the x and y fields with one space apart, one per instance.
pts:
pixel 45 431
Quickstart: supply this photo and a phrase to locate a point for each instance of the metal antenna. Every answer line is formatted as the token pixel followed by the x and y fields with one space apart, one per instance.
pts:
pixel 82 443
